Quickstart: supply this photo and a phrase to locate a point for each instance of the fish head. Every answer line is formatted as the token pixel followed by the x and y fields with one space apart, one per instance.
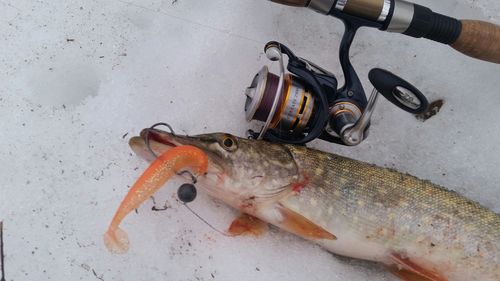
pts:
pixel 241 172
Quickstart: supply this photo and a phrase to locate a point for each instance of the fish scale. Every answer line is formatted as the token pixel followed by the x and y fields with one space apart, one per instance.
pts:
pixel 402 213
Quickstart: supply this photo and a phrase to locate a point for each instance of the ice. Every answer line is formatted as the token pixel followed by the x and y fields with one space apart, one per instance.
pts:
pixel 81 77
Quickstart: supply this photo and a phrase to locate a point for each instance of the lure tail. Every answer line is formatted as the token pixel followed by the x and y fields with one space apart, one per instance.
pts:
pixel 155 176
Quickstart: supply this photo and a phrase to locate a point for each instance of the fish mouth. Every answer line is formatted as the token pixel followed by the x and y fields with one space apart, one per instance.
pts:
pixel 159 136
pixel 153 142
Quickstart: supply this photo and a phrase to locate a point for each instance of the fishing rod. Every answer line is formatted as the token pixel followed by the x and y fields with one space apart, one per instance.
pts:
pixel 306 103
pixel 477 39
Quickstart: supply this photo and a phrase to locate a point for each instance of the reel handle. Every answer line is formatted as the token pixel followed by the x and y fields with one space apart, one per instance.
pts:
pixel 396 90
pixel 401 93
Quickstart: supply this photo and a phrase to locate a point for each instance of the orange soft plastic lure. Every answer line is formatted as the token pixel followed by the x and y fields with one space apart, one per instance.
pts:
pixel 155 176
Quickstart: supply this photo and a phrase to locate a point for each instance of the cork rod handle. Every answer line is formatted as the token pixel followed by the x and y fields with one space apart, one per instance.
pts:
pixel 480 40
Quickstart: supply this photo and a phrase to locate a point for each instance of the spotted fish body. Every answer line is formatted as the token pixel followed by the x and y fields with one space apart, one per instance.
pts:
pixel 377 212
pixel 419 230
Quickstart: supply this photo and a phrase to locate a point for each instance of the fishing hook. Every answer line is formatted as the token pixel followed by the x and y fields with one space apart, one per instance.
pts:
pixel 148 145
pixel 152 128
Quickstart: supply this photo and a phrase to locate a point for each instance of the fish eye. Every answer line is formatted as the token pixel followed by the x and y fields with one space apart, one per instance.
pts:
pixel 228 143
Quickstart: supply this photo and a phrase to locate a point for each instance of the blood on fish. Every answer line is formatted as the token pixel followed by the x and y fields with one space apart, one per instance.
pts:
pixel 246 206
pixel 297 187
pixel 220 179
pixel 155 176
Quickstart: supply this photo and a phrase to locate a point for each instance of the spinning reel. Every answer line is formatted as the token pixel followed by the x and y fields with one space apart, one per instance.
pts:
pixel 305 104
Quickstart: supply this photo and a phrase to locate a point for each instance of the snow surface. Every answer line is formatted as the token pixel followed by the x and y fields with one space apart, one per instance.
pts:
pixel 80 77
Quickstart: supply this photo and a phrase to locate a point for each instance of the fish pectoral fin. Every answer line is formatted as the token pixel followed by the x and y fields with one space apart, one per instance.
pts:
pixel 301 226
pixel 294 186
pixel 407 270
pixel 246 224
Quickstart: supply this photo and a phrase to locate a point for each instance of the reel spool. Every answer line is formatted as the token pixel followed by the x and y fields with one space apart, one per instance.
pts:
pixel 295 104
pixel 292 105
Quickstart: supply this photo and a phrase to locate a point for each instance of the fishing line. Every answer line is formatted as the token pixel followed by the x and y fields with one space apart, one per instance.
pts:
pixel 187 193
pixel 203 220
pixel 2 256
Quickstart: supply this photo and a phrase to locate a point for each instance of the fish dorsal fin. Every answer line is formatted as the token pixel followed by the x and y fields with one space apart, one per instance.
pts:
pixel 301 226
pixel 246 224
pixel 407 270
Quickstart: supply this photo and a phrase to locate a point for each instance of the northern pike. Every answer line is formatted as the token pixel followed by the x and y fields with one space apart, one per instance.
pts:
pixel 420 231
